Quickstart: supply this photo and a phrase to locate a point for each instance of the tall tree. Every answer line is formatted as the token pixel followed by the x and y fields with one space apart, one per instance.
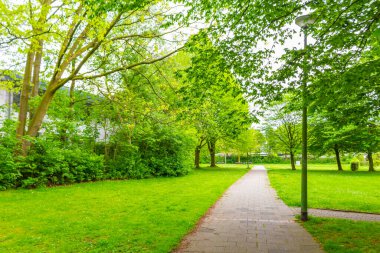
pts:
pixel 247 142
pixel 212 96
pixel 285 127
pixel 75 31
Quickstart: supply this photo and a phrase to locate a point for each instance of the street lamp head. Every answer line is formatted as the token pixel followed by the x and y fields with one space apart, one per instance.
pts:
pixel 304 20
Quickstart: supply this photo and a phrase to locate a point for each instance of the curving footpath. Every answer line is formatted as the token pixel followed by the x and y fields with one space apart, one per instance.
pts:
pixel 250 218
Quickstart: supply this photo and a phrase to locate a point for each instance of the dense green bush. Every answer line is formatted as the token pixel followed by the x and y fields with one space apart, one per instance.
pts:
pixel 8 168
pixel 47 164
pixel 127 164
pixel 165 152
pixel 54 160
pixel 158 152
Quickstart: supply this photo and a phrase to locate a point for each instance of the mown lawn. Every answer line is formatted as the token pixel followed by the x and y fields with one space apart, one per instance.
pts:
pixel 150 215
pixel 327 187
pixel 345 236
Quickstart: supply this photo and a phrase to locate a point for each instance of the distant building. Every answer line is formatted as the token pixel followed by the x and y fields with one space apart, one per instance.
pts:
pixel 8 98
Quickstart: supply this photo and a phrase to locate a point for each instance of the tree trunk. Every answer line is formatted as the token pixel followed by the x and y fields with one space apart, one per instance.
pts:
pixel 336 149
pixel 247 160
pixel 292 162
pixel 238 158
pixel 370 162
pixel 22 116
pixel 197 157
pixel 38 48
pixel 40 112
pixel 36 69
pixel 72 97
pixel 36 76
pixel 211 148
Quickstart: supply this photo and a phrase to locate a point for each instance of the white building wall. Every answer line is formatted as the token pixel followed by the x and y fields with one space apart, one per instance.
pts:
pixel 6 100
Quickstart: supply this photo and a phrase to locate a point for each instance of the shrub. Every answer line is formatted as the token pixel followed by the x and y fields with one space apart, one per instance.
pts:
pixel 157 151
pixel 47 164
pixel 8 169
pixel 127 164
pixel 165 152
pixel 355 164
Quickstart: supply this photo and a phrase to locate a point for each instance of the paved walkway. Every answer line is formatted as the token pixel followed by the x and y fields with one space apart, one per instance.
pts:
pixel 250 218
pixel 339 214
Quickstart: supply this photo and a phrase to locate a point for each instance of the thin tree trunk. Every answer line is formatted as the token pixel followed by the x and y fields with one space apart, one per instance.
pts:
pixel 115 152
pixel 37 69
pixel 72 97
pixel 292 162
pixel 36 76
pixel 336 149
pixel 211 147
pixel 370 162
pixel 197 157
pixel 238 158
pixel 72 92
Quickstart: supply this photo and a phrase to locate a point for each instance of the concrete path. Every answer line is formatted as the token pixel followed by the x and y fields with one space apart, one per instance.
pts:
pixel 339 214
pixel 250 218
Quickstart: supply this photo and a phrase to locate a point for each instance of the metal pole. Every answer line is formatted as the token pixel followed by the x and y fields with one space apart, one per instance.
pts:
pixel 304 216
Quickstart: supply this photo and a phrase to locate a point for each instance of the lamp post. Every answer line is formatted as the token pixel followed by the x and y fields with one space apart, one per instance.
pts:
pixel 303 22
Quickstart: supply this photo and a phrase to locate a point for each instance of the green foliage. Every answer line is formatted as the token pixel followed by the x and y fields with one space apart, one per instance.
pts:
pixel 376 159
pixel 249 141
pixel 355 164
pixel 355 160
pixel 8 167
pixel 283 128
pixel 51 165
pixel 212 99
pixel 8 171
pixel 165 152
pixel 159 152
pixel 271 158
pixel 48 163
pixel 127 164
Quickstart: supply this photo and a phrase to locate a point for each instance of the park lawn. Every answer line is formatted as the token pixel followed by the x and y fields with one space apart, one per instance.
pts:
pixel 345 236
pixel 328 188
pixel 150 215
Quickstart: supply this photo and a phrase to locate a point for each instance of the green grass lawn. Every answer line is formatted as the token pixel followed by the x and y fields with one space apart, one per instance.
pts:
pixel 150 215
pixel 345 236
pixel 327 187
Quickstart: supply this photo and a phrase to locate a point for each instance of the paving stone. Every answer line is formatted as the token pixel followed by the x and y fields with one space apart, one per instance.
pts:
pixel 250 218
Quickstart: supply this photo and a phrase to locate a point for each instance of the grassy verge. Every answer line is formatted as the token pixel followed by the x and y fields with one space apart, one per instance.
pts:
pixel 149 215
pixel 328 188
pixel 345 236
